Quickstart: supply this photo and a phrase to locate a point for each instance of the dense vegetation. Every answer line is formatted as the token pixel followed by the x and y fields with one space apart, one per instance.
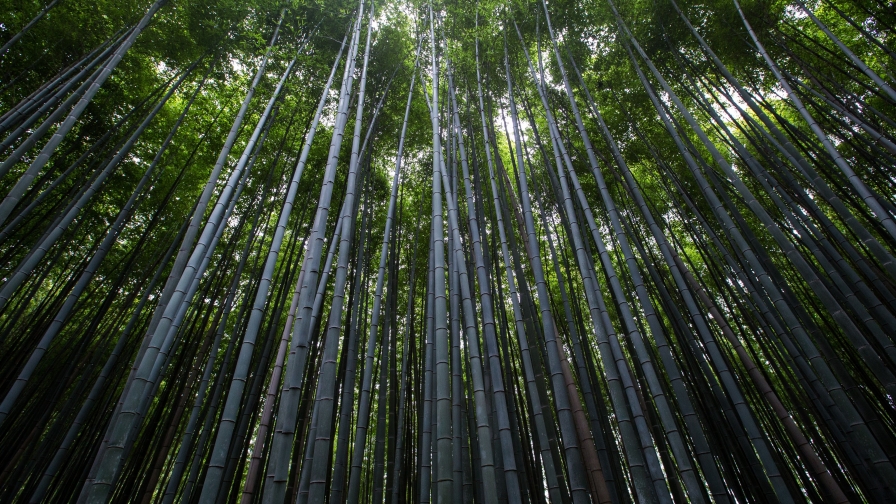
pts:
pixel 571 251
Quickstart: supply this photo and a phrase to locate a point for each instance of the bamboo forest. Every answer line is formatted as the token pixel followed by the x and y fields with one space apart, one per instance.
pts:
pixel 447 251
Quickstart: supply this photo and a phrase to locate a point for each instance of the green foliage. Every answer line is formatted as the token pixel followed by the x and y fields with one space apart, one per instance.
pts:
pixel 764 285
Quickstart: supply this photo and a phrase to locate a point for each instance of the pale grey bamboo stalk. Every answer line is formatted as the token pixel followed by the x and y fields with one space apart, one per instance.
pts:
pixel 350 368
pixel 324 398
pixel 496 376
pixel 854 426
pixel 442 475
pixel 857 183
pixel 63 313
pixel 94 395
pixel 15 194
pixel 682 458
pixel 658 488
pixel 228 419
pixel 274 384
pixel 528 369
pixel 364 399
pixel 846 51
pixel 67 78
pixel 402 395
pixel 187 437
pixel 48 123
pixel 27 27
pixel 24 269
pixel 786 147
pixel 161 337
pixel 284 434
pixel 183 254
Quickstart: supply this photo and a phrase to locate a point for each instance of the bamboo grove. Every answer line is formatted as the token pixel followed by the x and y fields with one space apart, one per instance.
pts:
pixel 532 252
